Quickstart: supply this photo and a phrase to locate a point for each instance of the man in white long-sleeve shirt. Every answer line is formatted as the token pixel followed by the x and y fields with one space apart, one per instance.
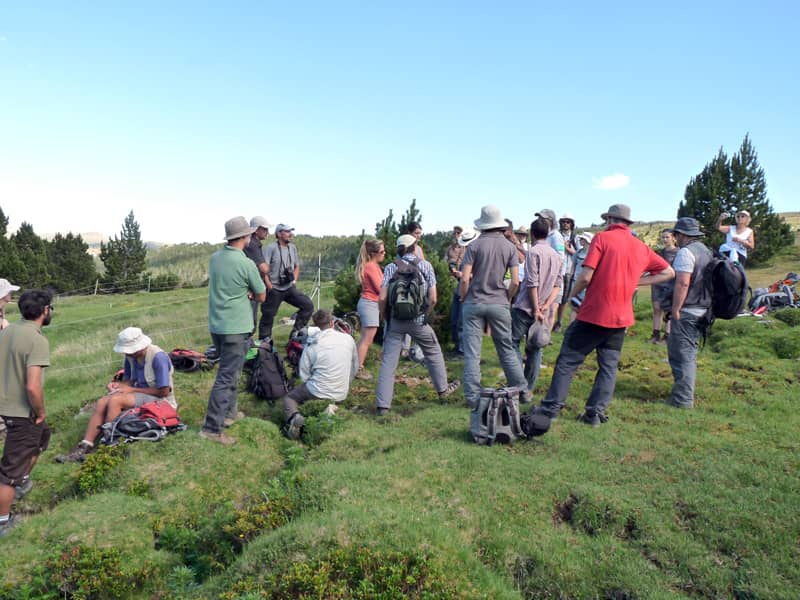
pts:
pixel 328 365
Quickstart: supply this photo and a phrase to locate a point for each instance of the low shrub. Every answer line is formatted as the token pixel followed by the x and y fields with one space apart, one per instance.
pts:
pixel 786 344
pixel 357 573
pixel 96 468
pixel 790 316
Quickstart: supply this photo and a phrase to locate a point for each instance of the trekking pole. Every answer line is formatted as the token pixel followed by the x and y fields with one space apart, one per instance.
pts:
pixel 319 278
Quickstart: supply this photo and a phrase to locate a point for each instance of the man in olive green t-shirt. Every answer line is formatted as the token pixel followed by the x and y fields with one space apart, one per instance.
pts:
pixel 24 353
pixel 233 281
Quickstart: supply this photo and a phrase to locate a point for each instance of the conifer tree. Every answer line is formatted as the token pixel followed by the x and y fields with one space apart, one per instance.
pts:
pixel 125 257
pixel 11 267
pixel 71 267
pixel 32 252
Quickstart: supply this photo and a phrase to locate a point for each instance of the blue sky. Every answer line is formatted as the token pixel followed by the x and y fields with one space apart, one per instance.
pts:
pixel 326 115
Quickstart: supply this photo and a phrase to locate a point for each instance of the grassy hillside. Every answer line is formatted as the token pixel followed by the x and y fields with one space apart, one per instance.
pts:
pixel 657 503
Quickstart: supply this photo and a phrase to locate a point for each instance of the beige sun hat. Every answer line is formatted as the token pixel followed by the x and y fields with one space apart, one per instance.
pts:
pixel 130 340
pixel 236 228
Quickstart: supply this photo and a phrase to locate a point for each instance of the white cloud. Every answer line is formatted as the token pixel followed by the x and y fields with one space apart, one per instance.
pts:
pixel 611 182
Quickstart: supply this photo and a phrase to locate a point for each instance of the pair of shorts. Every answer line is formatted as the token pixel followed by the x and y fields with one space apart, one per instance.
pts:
pixel 140 398
pixel 24 440
pixel 368 313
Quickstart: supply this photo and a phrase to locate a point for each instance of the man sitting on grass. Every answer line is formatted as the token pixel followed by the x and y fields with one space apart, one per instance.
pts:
pixel 328 365
pixel 147 377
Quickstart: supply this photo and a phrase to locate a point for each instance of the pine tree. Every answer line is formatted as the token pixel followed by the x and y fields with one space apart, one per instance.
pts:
pixel 32 252
pixel 730 185
pixel 125 257
pixel 11 267
pixel 71 267
pixel 412 214
pixel 749 192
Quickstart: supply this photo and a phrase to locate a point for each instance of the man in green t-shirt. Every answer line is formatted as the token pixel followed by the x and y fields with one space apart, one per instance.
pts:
pixel 233 282
pixel 24 353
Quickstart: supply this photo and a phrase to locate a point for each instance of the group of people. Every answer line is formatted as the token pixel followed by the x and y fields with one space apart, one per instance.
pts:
pixel 507 287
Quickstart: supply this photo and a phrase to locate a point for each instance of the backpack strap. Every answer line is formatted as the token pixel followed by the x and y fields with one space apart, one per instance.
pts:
pixel 491 420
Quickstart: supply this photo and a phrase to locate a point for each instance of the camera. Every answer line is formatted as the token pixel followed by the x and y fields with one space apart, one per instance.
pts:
pixel 286 276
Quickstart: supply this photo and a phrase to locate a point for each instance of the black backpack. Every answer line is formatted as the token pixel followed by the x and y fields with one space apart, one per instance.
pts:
pixel 406 295
pixel 727 282
pixel 268 379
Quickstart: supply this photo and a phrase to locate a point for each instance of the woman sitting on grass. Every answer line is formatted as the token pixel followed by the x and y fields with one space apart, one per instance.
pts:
pixel 369 275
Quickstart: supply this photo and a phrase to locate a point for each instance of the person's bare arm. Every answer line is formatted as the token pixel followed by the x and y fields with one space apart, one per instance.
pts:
pixel 661 277
pixel 682 281
pixel 582 281
pixel 466 276
pixel 33 386
pixel 514 286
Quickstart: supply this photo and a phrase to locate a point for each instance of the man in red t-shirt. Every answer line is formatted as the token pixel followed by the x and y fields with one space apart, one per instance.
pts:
pixel 614 266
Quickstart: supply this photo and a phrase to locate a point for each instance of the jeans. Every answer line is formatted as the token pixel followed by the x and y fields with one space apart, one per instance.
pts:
pixel 270 306
pixel 498 317
pixel 456 323
pixel 232 349
pixel 682 346
pixel 579 340
pixel 520 323
pixel 425 338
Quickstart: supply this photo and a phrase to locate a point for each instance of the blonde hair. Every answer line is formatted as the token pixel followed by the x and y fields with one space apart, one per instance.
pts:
pixel 368 249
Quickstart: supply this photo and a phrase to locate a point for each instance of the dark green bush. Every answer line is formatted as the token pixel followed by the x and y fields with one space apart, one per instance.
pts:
pixel 790 316
pixel 786 344
pixel 358 573
pixel 96 468
pixel 165 281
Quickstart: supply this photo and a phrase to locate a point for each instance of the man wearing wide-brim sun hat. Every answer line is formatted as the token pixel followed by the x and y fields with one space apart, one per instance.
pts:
pixel 613 267
pixel 147 376
pixel 6 287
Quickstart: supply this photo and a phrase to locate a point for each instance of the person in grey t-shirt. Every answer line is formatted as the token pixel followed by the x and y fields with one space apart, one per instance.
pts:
pixel 486 301
pixel 283 270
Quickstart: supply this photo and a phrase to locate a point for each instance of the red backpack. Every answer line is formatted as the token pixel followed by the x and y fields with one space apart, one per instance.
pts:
pixel 161 412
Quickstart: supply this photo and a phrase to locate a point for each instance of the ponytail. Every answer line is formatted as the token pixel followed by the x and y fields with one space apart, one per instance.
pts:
pixel 368 249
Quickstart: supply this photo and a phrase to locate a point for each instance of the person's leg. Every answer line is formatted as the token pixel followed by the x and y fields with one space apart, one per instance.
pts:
pixel 293 400
pixel 455 321
pixel 269 308
pixel 364 342
pixel 682 346
pixel 520 324
pixel 392 344
pixel 533 364
pixel 303 304
pixel 608 353
pixel 254 306
pixel 426 339
pixel 658 315
pixel 474 323
pixel 499 317
pixel 96 420
pixel 232 350
pixel 117 403
pixel 579 340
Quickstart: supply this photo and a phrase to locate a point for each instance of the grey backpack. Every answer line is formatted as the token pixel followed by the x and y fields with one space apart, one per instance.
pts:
pixel 496 418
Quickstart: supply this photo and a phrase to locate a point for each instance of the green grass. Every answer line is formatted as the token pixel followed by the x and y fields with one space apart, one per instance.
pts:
pixel 658 503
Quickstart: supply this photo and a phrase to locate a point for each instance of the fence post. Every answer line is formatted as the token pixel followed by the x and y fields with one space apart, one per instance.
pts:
pixel 96 284
pixel 148 284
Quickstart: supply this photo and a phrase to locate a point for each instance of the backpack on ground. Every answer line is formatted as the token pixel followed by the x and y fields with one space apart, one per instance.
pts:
pixel 268 379
pixel 406 295
pixel 188 361
pixel 727 283
pixel 151 421
pixel 496 418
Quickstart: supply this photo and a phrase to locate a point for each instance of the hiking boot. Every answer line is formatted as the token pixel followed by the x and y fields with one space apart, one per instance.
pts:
pixel 231 420
pixel 595 420
pixel 381 411
pixel 294 426
pixel 363 374
pixel 654 339
pixel 451 387
pixel 220 437
pixel 557 327
pixel 23 489
pixel 77 454
pixel 664 339
pixel 7 526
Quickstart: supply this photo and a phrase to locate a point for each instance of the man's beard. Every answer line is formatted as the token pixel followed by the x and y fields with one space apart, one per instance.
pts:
pixel 47 320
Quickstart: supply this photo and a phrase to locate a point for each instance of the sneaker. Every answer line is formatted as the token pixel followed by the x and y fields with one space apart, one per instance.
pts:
pixel 23 489
pixel 557 327
pixel 294 426
pixel 7 526
pixel 451 387
pixel 382 411
pixel 363 374
pixel 220 437
pixel 595 420
pixel 231 420
pixel 654 339
pixel 77 454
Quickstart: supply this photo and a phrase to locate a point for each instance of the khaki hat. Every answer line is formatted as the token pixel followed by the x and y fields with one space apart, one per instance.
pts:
pixel 237 227
pixel 131 340
pixel 521 230
pixel 260 222
pixel 618 211
pixel 490 219
pixel 406 240
pixel 6 287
